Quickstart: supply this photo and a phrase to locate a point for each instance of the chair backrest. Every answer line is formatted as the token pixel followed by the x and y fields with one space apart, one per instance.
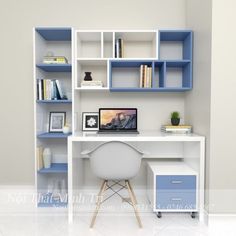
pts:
pixel 115 160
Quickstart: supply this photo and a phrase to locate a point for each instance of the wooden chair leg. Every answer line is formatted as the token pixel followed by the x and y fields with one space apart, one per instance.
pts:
pixel 135 199
pixel 99 201
pixel 132 197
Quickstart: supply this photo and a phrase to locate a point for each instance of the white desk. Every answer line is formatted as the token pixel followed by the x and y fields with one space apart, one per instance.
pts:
pixel 189 148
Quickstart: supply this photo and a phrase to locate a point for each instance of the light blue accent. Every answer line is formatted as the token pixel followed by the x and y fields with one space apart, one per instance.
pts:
pixel 55 34
pixel 175 182
pixel 55 168
pixel 54 101
pixel 55 67
pixel 176 200
pixel 176 191
pixel 46 200
pixel 53 135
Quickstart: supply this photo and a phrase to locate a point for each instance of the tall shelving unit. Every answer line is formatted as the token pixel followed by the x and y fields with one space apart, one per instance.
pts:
pixel 59 42
pixel 167 52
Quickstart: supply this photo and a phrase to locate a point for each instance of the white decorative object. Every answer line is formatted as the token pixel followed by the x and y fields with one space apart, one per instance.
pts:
pixel 66 129
pixel 47 158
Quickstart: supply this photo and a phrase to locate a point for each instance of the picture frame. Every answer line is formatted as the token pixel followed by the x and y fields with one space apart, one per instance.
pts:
pixel 90 121
pixel 56 121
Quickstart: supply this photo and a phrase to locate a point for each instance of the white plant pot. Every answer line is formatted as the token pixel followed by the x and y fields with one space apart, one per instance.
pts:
pixel 47 158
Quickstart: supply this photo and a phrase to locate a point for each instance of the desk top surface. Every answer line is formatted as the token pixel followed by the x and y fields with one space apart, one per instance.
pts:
pixel 142 136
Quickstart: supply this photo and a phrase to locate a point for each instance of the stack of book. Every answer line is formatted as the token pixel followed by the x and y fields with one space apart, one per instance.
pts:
pixel 145 76
pixel 49 90
pixel 177 129
pixel 91 84
pixel 54 60
pixel 119 48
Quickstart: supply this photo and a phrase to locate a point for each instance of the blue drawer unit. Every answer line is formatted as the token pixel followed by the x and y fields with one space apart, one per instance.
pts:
pixel 176 192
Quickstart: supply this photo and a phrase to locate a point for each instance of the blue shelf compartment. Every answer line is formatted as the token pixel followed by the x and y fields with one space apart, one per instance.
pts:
pixel 46 200
pixel 185 37
pixel 183 71
pixel 55 67
pixel 128 64
pixel 55 33
pixel 54 101
pixel 158 76
pixel 53 135
pixel 55 168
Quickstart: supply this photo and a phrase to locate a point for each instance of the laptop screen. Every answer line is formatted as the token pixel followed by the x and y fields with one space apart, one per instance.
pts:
pixel 117 119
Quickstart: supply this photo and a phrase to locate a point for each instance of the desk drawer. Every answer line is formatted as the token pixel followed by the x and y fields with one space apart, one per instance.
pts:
pixel 177 182
pixel 176 200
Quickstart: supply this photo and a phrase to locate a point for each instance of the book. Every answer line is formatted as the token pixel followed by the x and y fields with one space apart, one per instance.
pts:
pixel 55 60
pixel 59 89
pixel 119 48
pixel 180 129
pixel 145 78
pixel 39 155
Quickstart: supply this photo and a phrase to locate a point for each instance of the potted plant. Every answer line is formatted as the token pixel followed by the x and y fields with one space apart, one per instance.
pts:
pixel 175 119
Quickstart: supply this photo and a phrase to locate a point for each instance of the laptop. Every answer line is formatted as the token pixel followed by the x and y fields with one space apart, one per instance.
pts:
pixel 118 120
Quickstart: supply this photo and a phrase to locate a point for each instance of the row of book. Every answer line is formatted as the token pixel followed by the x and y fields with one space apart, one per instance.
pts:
pixel 54 60
pixel 145 76
pixel 119 48
pixel 177 129
pixel 49 90
pixel 91 84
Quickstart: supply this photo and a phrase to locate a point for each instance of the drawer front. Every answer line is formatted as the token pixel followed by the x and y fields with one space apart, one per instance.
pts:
pixel 176 200
pixel 177 182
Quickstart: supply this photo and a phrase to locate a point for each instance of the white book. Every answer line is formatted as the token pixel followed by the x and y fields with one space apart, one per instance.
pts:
pixel 40 89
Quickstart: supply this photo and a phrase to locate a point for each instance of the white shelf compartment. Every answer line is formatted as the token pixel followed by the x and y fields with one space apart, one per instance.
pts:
pixel 108 44
pixel 89 44
pixel 138 44
pixel 98 69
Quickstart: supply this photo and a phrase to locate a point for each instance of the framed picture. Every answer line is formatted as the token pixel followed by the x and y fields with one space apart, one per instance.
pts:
pixel 90 121
pixel 56 121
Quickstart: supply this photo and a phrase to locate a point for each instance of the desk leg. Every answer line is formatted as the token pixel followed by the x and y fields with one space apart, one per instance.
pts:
pixel 202 182
pixel 70 181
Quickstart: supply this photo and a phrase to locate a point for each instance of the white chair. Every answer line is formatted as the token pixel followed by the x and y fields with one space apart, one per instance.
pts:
pixel 115 161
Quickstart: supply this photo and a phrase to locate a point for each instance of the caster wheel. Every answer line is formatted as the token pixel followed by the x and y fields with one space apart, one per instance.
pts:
pixel 159 215
pixel 193 215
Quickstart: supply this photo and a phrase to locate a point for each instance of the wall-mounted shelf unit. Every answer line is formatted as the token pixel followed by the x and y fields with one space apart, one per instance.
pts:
pixel 53 41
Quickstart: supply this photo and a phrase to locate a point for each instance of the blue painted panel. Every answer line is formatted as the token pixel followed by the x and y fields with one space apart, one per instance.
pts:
pixel 188 47
pixel 55 168
pixel 55 67
pixel 47 200
pixel 54 101
pixel 130 63
pixel 174 182
pixel 53 135
pixel 173 35
pixel 177 63
pixel 172 89
pixel 187 76
pixel 55 34
pixel 176 200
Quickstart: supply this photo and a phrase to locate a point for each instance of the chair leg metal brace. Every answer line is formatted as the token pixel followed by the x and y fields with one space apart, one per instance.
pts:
pixel 133 200
pixel 99 201
pixel 104 187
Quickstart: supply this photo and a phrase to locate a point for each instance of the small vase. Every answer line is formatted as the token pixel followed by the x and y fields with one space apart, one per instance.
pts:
pixel 88 76
pixel 175 121
pixel 66 130
pixel 47 158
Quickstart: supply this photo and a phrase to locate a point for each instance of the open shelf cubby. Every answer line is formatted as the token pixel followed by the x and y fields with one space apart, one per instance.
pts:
pixel 98 69
pixel 175 45
pixel 89 44
pixel 138 44
pixel 178 75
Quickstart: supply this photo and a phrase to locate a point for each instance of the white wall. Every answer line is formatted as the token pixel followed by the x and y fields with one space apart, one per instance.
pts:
pixel 17 18
pixel 223 108
pixel 197 102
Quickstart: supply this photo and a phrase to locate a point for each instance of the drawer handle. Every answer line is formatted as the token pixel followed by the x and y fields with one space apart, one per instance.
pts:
pixel 176 199
pixel 176 182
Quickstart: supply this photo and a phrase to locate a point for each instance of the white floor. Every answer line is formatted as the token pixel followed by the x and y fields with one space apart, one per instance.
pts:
pixel 19 218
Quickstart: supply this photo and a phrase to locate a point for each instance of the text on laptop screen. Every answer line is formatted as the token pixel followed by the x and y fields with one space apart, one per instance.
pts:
pixel 118 119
